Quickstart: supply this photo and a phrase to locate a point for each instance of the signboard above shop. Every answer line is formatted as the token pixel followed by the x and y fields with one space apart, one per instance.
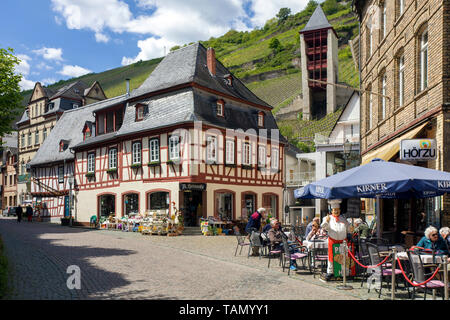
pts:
pixel 418 149
pixel 193 186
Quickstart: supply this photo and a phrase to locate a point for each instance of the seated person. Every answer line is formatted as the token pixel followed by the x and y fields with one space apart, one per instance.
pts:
pixel 268 226
pixel 445 231
pixel 316 232
pixel 433 241
pixel 309 226
pixel 361 228
pixel 276 240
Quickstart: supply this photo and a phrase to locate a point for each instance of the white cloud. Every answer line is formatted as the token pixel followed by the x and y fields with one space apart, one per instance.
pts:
pixel 150 48
pixel 48 81
pixel 23 67
pixel 100 37
pixel 50 53
pixel 73 71
pixel 168 22
pixel 26 84
pixel 44 66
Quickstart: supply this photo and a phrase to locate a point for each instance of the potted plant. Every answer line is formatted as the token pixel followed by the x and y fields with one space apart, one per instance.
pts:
pixel 90 175
pixel 154 164
pixel 136 165
pixel 112 170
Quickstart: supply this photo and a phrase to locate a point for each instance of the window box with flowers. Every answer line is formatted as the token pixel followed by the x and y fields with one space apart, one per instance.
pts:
pixel 136 165
pixel 112 170
pixel 174 161
pixel 246 167
pixel 90 175
pixel 154 164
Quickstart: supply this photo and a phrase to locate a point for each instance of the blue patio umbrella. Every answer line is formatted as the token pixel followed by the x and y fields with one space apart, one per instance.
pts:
pixel 379 179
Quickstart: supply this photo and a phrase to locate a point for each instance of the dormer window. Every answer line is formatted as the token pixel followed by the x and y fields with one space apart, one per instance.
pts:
pixel 220 108
pixel 228 79
pixel 261 119
pixel 140 111
pixel 63 145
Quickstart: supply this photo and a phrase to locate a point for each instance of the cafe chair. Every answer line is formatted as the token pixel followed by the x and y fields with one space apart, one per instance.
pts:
pixel 419 275
pixel 272 253
pixel 385 269
pixel 255 242
pixel 240 240
pixel 318 255
pixel 288 256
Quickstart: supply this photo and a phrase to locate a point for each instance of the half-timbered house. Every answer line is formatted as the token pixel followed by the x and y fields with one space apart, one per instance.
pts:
pixel 192 134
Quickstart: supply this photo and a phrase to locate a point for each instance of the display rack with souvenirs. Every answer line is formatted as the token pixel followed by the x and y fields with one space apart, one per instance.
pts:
pixel 213 226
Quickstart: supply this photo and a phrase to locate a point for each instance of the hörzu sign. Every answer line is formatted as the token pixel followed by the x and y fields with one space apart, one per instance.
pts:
pixel 418 149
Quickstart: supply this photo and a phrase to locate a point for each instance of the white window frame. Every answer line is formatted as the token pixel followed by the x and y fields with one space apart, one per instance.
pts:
pixel 91 162
pixel 112 158
pixel 401 7
pixel 262 156
pixel 370 111
pixel 383 17
pixel 260 119
pixel 229 149
pixel 136 152
pixel 29 139
pixel 220 107
pixel 44 134
pixel 246 154
pixel 211 148
pixel 174 147
pixel 275 158
pixel 424 60
pixel 36 137
pixel 154 149
pixel 401 80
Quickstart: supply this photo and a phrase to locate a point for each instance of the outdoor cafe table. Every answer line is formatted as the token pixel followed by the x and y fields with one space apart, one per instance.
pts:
pixel 426 258
pixel 320 244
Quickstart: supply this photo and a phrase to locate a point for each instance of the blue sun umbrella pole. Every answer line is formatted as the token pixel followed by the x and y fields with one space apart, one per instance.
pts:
pixel 380 180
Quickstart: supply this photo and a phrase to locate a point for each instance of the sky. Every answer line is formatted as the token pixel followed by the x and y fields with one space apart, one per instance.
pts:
pixel 60 39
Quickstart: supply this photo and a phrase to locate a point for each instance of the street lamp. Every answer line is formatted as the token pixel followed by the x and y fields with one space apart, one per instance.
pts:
pixel 347 148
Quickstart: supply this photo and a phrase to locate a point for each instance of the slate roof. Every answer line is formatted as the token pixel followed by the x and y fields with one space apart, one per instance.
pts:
pixel 188 64
pixel 70 128
pixel 317 21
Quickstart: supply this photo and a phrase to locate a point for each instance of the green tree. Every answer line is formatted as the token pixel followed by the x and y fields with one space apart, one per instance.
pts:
pixel 330 6
pixel 10 97
pixel 311 6
pixel 283 14
pixel 275 45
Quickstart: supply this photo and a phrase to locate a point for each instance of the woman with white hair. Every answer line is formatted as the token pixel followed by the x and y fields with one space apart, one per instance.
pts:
pixel 433 241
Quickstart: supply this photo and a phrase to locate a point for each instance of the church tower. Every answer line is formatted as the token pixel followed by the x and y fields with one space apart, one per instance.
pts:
pixel 319 61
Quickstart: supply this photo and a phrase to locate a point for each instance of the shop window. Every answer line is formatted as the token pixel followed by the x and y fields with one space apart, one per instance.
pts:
pixel 249 205
pixel 224 205
pixel 270 203
pixel 131 204
pixel 107 205
pixel 158 201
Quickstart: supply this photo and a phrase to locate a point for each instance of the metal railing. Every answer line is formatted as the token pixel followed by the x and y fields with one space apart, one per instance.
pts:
pixel 300 178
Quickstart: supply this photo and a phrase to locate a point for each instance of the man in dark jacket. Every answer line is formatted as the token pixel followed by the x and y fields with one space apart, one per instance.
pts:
pixel 19 212
pixel 29 212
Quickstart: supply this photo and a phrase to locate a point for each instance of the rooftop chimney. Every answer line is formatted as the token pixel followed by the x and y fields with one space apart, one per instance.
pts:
pixel 128 86
pixel 211 61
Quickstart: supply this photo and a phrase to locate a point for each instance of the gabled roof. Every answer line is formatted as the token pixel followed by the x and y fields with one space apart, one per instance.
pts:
pixel 73 90
pixel 317 21
pixel 187 65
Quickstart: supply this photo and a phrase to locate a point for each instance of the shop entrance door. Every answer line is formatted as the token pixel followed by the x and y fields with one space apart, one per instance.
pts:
pixel 193 207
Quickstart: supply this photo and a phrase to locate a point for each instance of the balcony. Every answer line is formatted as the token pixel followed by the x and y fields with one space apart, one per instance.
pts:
pixel 300 179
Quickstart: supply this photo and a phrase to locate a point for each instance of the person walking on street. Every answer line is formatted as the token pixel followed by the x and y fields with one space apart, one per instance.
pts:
pixel 29 212
pixel 19 212
pixel 254 222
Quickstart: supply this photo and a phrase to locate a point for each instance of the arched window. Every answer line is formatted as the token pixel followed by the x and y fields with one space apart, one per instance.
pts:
pixel 158 200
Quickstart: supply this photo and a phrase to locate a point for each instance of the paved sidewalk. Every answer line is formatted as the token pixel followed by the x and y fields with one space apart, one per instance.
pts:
pixel 122 265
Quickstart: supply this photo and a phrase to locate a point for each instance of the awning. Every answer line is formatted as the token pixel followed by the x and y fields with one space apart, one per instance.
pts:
pixel 389 150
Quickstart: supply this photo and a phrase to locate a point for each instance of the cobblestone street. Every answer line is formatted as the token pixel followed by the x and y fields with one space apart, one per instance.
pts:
pixel 121 265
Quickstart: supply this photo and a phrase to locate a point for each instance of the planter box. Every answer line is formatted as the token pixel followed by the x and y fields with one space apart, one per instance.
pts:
pixel 154 164
pixel 90 175
pixel 136 165
pixel 111 171
pixel 66 221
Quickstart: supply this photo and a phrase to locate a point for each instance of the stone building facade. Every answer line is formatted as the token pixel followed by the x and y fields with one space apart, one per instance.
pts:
pixel 404 63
